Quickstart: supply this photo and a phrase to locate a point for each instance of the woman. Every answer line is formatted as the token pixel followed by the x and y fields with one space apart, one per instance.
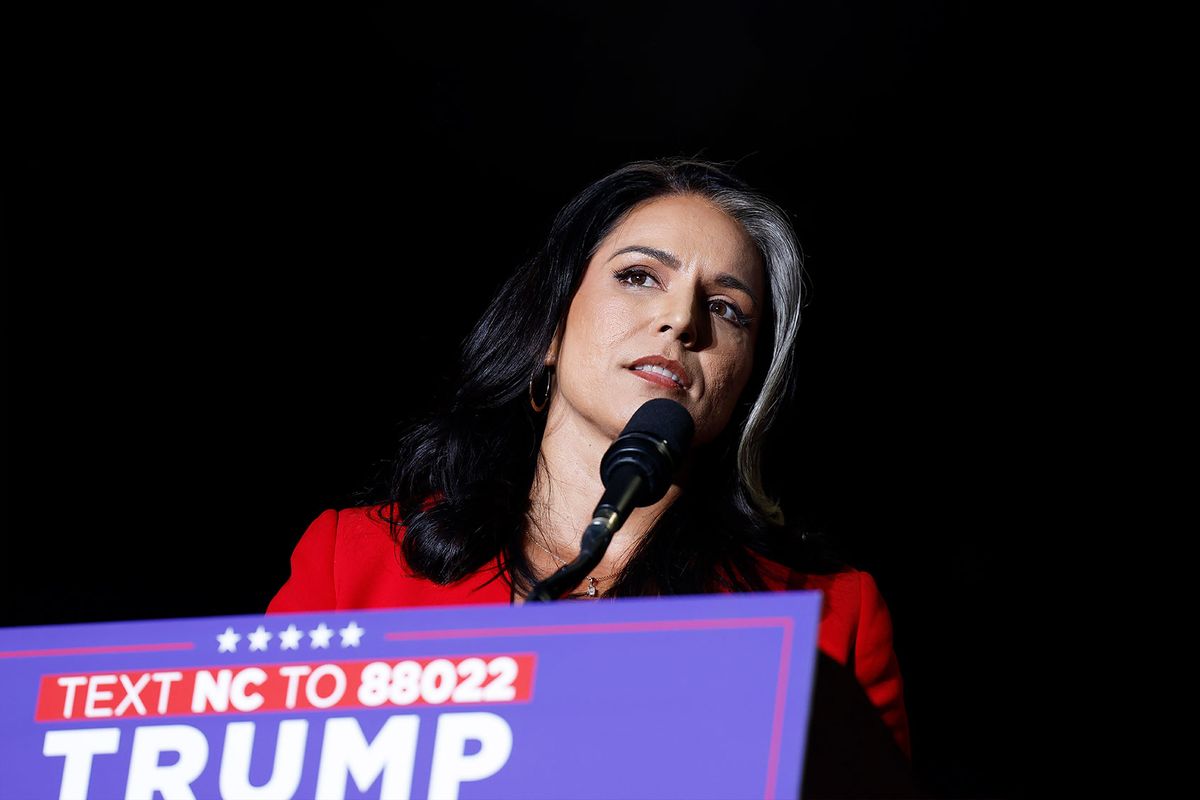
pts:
pixel 668 278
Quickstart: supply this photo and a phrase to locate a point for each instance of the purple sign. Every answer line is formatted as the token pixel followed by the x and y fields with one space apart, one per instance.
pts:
pixel 702 696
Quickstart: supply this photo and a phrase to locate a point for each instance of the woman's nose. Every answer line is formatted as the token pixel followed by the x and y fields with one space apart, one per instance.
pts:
pixel 680 319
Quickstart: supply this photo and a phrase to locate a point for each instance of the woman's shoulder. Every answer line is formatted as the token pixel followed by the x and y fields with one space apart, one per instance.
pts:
pixel 348 558
pixel 367 542
pixel 856 632
pixel 784 577
pixel 349 532
pixel 368 524
pixel 338 550
pixel 852 605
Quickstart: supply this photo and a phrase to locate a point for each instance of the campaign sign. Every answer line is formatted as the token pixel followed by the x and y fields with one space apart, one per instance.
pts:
pixel 700 696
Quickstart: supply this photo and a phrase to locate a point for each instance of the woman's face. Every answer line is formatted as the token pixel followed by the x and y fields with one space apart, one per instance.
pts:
pixel 677 287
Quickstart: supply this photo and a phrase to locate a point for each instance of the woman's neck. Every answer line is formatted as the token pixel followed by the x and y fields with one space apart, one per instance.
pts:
pixel 566 489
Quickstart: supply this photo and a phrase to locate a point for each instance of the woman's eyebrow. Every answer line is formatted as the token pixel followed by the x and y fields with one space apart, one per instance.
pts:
pixel 672 261
pixel 730 282
pixel 662 255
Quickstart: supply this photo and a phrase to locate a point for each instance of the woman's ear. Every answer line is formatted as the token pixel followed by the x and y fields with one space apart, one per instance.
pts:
pixel 552 354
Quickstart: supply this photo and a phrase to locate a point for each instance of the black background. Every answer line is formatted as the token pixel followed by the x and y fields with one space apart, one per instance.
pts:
pixel 243 250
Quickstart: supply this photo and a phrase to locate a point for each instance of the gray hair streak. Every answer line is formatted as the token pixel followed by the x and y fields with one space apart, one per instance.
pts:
pixel 768 226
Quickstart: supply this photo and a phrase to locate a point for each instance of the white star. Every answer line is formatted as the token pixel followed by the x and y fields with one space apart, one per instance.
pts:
pixel 290 639
pixel 259 638
pixel 228 641
pixel 320 636
pixel 351 634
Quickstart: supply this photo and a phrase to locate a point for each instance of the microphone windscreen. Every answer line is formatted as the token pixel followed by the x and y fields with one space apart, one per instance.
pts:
pixel 665 420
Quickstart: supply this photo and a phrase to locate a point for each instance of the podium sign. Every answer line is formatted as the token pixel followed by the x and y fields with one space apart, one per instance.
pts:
pixel 699 696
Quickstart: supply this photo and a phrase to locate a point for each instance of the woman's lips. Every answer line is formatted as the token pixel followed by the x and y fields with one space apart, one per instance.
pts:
pixel 667 368
pixel 655 378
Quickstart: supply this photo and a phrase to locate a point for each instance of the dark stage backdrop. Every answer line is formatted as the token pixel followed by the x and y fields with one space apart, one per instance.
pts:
pixel 242 252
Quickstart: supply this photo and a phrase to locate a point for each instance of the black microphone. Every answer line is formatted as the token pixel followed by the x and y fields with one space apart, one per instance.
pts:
pixel 638 466
pixel 636 470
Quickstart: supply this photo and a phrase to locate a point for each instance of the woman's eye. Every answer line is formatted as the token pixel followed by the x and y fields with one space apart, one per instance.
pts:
pixel 636 277
pixel 729 311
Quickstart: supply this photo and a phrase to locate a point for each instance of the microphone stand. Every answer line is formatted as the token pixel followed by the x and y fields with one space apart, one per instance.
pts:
pixel 606 520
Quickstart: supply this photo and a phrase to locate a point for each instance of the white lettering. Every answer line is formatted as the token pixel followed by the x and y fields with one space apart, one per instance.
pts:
pixel 242 701
pixel 451 767
pixel 132 694
pixel 174 782
pixel 293 674
pixel 79 747
pixel 94 694
pixel 345 750
pixel 289 759
pixel 211 692
pixel 165 679
pixel 339 686
pixel 70 683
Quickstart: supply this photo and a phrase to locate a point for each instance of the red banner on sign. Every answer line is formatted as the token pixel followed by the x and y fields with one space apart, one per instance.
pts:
pixel 312 686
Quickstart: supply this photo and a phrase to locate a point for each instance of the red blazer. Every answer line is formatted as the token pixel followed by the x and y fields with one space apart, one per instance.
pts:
pixel 345 560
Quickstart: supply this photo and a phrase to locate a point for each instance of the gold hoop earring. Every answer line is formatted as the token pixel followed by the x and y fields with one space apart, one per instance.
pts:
pixel 540 407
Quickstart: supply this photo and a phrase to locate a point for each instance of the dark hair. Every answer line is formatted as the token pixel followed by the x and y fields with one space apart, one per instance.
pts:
pixel 460 482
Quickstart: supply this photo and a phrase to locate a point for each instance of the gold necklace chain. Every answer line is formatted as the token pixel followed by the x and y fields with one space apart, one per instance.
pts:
pixel 591 589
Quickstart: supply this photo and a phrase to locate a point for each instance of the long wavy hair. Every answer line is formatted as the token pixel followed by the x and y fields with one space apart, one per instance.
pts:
pixel 457 494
